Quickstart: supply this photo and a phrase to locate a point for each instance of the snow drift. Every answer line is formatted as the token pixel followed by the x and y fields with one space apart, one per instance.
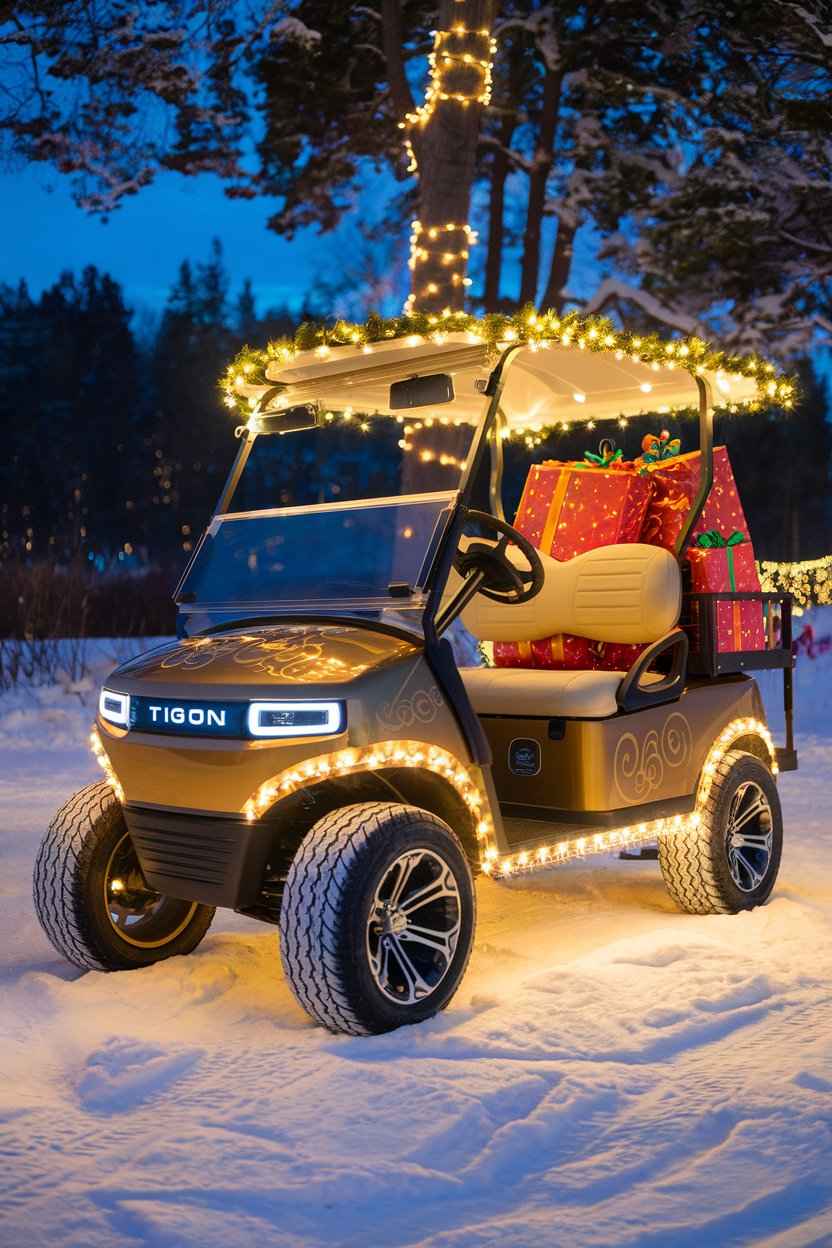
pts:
pixel 611 1072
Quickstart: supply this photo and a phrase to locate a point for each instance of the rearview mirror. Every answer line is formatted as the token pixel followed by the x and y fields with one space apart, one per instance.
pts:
pixel 425 391
pixel 289 419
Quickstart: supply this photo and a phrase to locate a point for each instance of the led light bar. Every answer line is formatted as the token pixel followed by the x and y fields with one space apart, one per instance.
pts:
pixel 114 707
pixel 295 719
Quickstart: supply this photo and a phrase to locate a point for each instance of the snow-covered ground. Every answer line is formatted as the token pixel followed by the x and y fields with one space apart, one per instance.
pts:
pixel 611 1072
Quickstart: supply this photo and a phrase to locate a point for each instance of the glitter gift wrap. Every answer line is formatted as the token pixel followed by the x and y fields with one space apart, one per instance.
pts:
pixel 726 565
pixel 566 509
pixel 675 483
pixel 565 652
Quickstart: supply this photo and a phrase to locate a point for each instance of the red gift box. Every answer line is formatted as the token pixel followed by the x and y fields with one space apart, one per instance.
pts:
pixel 675 486
pixel 618 656
pixel 563 651
pixel 567 508
pixel 725 564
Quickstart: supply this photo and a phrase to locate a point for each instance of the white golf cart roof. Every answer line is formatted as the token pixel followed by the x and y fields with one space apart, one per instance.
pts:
pixel 583 374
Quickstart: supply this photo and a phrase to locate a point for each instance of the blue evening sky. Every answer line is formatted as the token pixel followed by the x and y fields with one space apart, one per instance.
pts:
pixel 175 218
pixel 143 243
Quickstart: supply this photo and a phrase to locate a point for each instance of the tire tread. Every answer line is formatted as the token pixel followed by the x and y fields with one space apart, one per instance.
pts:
pixel 61 885
pixel 313 897
pixel 687 858
pixel 55 877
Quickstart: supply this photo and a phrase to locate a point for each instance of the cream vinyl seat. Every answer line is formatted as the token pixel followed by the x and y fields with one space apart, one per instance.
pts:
pixel 630 593
pixel 519 691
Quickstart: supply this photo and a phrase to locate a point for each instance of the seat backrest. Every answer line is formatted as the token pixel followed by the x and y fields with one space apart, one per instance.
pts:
pixel 629 593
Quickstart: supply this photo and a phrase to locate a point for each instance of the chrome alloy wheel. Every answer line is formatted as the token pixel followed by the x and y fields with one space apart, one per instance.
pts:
pixel 140 915
pixel 413 926
pixel 748 836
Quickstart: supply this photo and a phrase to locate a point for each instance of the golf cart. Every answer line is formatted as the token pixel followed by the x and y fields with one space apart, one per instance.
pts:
pixel 308 752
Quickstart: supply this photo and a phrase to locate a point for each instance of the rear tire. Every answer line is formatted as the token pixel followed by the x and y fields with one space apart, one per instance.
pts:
pixel 730 861
pixel 92 900
pixel 377 919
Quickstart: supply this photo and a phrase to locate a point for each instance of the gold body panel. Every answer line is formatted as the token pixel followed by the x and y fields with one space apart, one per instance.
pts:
pixel 600 772
pixel 610 772
pixel 387 687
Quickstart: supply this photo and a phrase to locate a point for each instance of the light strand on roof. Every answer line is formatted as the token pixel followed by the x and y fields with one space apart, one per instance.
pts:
pixel 539 330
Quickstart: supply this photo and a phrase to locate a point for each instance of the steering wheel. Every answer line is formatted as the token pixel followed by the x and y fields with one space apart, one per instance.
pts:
pixel 502 580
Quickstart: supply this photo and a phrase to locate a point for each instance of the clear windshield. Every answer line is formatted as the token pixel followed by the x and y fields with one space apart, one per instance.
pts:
pixel 333 554
pixel 347 516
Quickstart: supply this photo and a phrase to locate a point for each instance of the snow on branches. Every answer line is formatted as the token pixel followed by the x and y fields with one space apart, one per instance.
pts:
pixel 111 93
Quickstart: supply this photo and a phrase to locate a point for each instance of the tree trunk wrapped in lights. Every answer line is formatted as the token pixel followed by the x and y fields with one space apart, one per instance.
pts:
pixel 440 137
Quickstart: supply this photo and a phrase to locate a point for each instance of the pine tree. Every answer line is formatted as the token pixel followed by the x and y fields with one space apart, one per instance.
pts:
pixel 68 403
pixel 191 445
pixel 246 310
pixel 692 137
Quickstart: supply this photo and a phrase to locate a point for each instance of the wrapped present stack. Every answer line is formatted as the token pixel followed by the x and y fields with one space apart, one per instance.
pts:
pixel 721 563
pixel 568 508
pixel 675 479
pixel 720 555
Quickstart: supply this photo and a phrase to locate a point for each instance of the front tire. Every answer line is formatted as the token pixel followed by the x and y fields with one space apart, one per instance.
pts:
pixel 92 899
pixel 377 919
pixel 729 862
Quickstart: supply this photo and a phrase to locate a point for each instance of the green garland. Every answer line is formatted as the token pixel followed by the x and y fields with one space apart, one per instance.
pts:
pixel 594 333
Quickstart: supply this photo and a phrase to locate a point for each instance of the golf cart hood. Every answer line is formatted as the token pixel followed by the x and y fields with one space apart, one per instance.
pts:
pixel 291 657
pixel 387 690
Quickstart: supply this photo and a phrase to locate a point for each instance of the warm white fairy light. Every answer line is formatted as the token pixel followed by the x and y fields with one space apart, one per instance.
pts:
pixel 419 253
pixel 582 846
pixel 428 456
pixel 102 758
pixel 500 866
pixel 733 732
pixel 809 581
pixel 444 59
pixel 371 758
pixel 540 330
pixel 417 754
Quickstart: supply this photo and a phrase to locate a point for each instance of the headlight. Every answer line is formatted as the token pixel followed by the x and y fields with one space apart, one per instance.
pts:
pixel 295 719
pixel 114 707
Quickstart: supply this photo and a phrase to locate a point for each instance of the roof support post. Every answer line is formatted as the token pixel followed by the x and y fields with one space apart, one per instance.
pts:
pixel 706 453
pixel 495 480
pixel 235 472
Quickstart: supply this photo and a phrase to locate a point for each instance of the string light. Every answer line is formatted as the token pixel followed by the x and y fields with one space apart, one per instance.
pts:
pixel 442 60
pixel 583 846
pixel 446 58
pixel 415 754
pixel 102 758
pixel 439 457
pixel 247 372
pixel 419 254
pixel 808 581
pixel 638 833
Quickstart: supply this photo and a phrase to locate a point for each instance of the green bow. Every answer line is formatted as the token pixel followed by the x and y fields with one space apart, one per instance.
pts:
pixel 662 450
pixel 712 539
pixel 603 461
